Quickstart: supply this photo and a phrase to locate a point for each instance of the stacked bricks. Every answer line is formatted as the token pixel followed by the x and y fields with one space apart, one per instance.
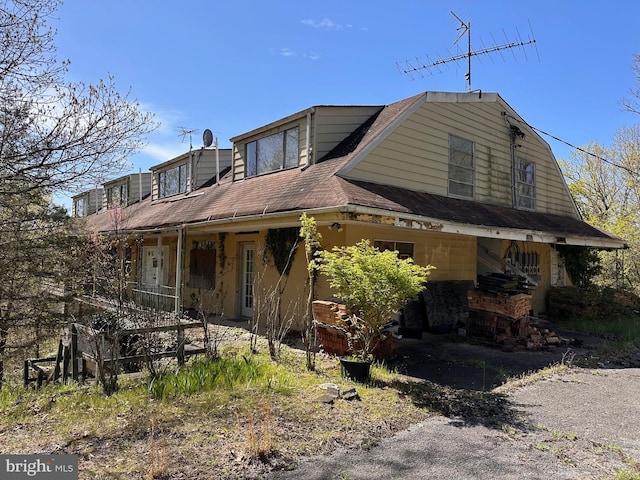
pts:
pixel 330 318
pixel 514 306
pixel 500 316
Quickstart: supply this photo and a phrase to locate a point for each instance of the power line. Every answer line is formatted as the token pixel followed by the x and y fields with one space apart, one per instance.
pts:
pixel 582 150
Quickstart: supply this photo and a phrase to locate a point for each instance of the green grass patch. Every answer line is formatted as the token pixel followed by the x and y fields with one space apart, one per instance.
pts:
pixel 204 375
pixel 615 328
pixel 625 474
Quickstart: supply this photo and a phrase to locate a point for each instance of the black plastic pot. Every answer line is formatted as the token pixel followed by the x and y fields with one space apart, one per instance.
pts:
pixel 356 370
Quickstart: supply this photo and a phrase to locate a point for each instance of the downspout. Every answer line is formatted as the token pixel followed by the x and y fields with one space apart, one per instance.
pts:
pixel 179 273
pixel 190 173
pixel 512 148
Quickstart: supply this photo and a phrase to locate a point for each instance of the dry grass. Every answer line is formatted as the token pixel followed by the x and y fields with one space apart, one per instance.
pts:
pixel 240 432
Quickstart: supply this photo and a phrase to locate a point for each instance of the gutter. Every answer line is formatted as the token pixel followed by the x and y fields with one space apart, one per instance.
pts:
pixel 409 221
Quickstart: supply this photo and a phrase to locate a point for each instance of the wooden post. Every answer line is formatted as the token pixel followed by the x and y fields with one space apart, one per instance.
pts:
pixel 83 370
pixel 56 368
pixel 26 373
pixel 65 364
pixel 41 377
pixel 74 353
pixel 180 339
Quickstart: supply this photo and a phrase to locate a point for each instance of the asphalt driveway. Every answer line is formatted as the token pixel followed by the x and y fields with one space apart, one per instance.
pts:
pixel 576 425
pixel 583 424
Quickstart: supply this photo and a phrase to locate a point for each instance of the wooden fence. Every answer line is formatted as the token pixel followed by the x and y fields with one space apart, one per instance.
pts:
pixel 81 347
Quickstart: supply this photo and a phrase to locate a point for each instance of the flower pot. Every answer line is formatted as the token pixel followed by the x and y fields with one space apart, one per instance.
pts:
pixel 356 370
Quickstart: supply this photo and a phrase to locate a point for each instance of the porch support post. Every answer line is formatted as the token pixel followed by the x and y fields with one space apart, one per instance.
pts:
pixel 159 263
pixel 179 273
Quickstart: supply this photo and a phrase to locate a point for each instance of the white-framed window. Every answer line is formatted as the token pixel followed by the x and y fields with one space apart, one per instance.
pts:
pixel 405 249
pixel 461 168
pixel 525 179
pixel 271 153
pixel 117 195
pixel 172 181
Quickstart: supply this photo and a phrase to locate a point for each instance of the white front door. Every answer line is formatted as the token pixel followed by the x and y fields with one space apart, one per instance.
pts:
pixel 247 277
pixel 155 271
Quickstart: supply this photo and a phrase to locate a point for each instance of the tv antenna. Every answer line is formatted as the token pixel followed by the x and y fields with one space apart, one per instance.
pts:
pixel 187 131
pixel 465 29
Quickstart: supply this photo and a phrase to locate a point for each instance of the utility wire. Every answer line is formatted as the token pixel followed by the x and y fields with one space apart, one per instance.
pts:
pixel 599 157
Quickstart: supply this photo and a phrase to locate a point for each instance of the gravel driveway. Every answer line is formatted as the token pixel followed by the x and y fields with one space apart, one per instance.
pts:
pixel 581 424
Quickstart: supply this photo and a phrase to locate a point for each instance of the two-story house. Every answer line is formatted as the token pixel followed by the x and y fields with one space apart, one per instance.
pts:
pixel 455 180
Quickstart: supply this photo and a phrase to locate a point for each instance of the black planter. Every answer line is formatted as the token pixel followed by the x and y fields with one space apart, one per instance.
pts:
pixel 356 370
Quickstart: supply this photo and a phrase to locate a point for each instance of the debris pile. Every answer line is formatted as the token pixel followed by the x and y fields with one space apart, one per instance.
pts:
pixel 535 339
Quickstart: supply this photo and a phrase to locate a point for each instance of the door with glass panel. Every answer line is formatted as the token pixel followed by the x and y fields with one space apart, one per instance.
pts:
pixel 247 278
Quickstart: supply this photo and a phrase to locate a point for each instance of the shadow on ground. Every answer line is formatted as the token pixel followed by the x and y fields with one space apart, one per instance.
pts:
pixel 476 364
pixel 456 376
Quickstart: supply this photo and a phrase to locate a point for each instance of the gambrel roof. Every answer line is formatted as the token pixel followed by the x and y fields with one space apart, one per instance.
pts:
pixel 325 186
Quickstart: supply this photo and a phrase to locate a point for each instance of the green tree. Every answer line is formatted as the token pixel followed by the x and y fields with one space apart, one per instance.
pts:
pixel 34 239
pixel 606 189
pixel 55 136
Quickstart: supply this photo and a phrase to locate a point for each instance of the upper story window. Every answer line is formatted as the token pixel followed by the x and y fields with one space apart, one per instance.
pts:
pixel 461 167
pixel 271 153
pixel 525 184
pixel 172 181
pixel 80 206
pixel 117 195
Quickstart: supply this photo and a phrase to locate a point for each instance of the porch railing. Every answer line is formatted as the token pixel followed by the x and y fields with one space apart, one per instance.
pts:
pixel 158 297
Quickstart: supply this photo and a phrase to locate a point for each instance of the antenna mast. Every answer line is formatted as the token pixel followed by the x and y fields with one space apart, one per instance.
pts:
pixel 465 29
pixel 188 131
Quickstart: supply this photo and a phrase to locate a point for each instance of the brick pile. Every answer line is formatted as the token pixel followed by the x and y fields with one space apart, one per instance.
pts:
pixel 330 318
pixel 514 306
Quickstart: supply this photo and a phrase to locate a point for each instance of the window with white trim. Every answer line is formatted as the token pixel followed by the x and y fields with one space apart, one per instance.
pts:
pixel 525 184
pixel 404 249
pixel 274 152
pixel 172 181
pixel 461 168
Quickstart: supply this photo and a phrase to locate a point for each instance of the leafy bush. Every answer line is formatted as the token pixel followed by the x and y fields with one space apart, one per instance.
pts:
pixel 374 285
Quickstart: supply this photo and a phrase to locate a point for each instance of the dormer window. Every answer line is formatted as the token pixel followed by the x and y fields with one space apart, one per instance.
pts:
pixel 278 151
pixel 172 181
pixel 80 207
pixel 117 195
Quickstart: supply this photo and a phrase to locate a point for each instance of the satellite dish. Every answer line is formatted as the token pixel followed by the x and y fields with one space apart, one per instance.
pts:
pixel 207 138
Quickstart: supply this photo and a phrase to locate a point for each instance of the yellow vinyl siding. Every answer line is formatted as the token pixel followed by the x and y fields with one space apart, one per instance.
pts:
pixel 334 124
pixel 205 166
pixel 416 155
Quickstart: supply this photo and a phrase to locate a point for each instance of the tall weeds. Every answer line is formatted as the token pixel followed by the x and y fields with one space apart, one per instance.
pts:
pixel 202 375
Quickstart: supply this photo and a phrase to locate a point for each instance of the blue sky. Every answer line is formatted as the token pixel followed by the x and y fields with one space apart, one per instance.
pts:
pixel 236 65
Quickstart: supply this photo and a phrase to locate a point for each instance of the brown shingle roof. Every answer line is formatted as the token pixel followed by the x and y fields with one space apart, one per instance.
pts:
pixel 320 186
